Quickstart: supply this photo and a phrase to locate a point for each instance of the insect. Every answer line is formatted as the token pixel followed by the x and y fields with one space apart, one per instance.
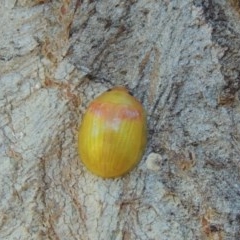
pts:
pixel 112 135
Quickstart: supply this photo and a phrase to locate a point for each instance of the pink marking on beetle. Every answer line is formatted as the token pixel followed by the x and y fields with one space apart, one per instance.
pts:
pixel 112 111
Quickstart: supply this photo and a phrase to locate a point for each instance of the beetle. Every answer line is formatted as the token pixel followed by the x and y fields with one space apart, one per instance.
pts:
pixel 113 132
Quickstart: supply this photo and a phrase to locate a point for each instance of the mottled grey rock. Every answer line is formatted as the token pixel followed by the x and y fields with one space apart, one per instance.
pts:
pixel 180 58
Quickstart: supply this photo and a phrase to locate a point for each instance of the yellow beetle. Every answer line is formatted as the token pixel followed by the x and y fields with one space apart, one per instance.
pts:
pixel 112 135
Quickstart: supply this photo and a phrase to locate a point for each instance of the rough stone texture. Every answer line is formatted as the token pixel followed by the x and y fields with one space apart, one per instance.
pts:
pixel 180 58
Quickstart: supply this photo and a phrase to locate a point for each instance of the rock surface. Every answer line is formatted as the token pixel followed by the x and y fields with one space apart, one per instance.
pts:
pixel 180 58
